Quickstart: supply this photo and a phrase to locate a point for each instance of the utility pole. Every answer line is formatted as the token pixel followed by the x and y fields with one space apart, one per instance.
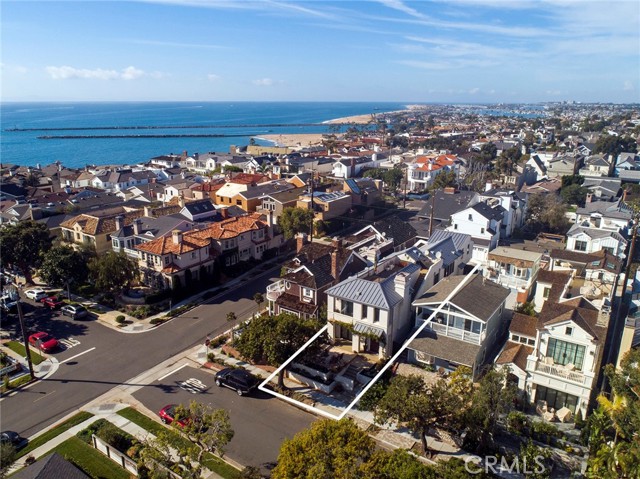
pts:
pixel 312 212
pixel 24 334
pixel 404 196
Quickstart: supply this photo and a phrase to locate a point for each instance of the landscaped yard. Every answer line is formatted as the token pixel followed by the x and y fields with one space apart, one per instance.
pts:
pixel 91 461
pixel 19 348
pixel 211 462
pixel 54 432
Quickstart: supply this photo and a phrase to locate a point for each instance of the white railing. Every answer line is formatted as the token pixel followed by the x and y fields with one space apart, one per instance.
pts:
pixel 275 290
pixel 560 371
pixel 456 333
pixel 511 281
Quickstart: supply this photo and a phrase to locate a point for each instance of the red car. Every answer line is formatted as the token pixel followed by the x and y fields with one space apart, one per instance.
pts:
pixel 43 341
pixel 168 413
pixel 52 302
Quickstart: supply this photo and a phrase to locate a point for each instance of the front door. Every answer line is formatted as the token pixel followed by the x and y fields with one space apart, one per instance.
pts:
pixel 373 346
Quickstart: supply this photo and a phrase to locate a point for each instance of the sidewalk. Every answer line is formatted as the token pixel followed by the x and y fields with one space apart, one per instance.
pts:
pixel 104 411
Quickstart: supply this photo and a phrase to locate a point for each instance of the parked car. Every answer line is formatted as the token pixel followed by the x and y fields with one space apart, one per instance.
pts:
pixel 43 341
pixel 52 302
pixel 168 413
pixel 8 304
pixel 11 437
pixel 35 294
pixel 74 310
pixel 239 380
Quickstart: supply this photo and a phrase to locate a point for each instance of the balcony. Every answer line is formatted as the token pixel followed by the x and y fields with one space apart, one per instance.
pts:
pixel 507 280
pixel 562 372
pixel 274 290
pixel 456 333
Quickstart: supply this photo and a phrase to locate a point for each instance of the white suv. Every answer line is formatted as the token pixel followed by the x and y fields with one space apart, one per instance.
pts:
pixel 36 294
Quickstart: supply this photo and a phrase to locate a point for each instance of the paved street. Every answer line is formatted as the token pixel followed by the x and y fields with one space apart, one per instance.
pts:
pixel 116 357
pixel 260 421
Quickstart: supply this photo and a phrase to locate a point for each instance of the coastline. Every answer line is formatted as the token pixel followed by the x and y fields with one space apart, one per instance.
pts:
pixel 293 140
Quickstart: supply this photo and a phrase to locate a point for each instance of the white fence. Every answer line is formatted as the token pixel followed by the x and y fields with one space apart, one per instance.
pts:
pixel 116 456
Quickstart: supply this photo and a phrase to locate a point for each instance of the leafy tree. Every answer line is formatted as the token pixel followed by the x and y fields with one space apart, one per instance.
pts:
pixel 488 153
pixel 535 460
pixel 393 177
pixel 398 464
pixel 574 194
pixel 545 212
pixel 7 458
pixel 23 245
pixel 62 264
pixel 275 339
pixel 443 180
pixel 112 271
pixel 32 180
pixel 613 427
pixel 209 428
pixel 527 308
pixel 614 145
pixel 568 180
pixel 295 220
pixel 493 398
pixel 410 401
pixel 233 169
pixel 231 316
pixel 327 450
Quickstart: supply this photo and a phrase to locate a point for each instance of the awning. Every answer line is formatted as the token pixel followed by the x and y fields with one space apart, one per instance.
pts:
pixel 360 328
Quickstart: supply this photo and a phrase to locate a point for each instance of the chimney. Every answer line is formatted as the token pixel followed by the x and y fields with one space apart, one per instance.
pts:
pixel 624 195
pixel 137 223
pixel 119 222
pixel 184 155
pixel 148 212
pixel 449 190
pixel 603 317
pixel 488 186
pixel 301 240
pixel 223 213
pixel 181 201
pixel 176 236
pixel 336 242
pixel 334 264
pixel 400 284
pixel 589 197
pixel 353 168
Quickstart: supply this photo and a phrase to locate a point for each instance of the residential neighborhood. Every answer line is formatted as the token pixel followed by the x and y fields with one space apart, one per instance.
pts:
pixel 455 257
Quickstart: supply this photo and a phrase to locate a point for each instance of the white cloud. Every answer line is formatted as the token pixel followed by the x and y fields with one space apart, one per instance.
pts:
pixel 401 7
pixel 19 69
pixel 213 77
pixel 473 91
pixel 263 82
pixel 131 73
pixel 628 86
pixel 66 72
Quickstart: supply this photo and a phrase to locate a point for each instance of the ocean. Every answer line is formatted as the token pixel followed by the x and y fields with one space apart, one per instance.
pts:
pixel 227 123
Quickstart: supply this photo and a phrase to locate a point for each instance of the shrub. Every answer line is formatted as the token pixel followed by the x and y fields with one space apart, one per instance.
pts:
pixel 219 341
pixel 211 357
pixel 546 428
pixel 517 422
pixel 29 460
pixel 120 319
pixel 157 296
pixel 157 321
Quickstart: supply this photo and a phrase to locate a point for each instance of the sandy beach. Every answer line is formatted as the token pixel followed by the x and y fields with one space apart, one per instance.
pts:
pixel 357 119
pixel 294 140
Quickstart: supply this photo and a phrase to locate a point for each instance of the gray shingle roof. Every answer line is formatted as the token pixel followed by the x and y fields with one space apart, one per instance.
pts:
pixel 53 466
pixel 446 204
pixel 454 350
pixel 478 296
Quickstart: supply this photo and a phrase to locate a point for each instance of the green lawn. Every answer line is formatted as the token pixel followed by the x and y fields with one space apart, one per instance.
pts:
pixel 56 431
pixel 212 462
pixel 91 461
pixel 19 348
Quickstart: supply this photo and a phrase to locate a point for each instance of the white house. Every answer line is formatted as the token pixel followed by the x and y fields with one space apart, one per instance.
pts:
pixel 563 350
pixel 483 223
pixel 372 310
pixel 467 328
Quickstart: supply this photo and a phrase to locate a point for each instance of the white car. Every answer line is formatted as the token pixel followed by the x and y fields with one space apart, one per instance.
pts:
pixel 35 294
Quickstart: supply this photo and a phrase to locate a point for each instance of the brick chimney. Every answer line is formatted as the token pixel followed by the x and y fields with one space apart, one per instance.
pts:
pixel 223 213
pixel 176 236
pixel 353 168
pixel 119 222
pixel 589 197
pixel 334 264
pixel 301 240
pixel 137 223
pixel 336 242
pixel 449 190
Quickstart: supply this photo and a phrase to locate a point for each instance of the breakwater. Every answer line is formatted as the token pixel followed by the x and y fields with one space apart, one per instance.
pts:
pixel 97 137
pixel 165 127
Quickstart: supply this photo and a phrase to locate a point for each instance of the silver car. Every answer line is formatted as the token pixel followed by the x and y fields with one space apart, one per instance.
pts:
pixel 74 310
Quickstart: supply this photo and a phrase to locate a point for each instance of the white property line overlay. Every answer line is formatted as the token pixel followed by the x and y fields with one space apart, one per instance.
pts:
pixel 370 384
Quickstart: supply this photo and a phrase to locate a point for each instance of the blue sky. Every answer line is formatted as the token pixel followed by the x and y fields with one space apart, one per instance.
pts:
pixel 387 50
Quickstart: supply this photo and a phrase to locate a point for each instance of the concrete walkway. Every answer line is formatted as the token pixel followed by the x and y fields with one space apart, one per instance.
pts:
pixel 104 411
